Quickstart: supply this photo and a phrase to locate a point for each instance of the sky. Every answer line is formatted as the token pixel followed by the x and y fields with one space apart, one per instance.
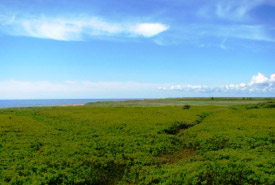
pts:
pixel 136 49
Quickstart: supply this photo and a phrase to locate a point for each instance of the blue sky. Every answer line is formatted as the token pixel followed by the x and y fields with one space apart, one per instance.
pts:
pixel 136 49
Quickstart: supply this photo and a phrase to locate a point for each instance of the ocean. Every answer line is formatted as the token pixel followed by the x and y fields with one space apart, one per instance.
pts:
pixel 49 102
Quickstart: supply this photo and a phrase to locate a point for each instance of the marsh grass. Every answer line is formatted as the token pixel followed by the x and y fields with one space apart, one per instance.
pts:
pixel 138 145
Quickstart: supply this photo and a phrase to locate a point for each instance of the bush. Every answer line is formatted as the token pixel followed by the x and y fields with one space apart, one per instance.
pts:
pixel 186 107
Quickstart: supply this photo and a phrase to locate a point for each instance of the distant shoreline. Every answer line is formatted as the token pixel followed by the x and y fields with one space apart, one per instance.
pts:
pixel 69 105
pixel 130 102
pixel 23 103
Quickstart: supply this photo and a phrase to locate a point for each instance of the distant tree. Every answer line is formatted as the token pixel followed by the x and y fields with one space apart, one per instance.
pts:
pixel 186 107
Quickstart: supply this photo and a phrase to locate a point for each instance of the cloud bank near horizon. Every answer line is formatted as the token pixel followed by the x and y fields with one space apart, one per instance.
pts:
pixel 15 89
pixel 259 85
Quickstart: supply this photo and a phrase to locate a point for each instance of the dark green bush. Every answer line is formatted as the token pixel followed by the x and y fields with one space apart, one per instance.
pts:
pixel 186 107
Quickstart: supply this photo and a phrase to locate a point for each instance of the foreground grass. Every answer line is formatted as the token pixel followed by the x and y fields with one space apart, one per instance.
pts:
pixel 138 145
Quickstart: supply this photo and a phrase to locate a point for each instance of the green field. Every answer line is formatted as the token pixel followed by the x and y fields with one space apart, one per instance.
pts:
pixel 212 141
pixel 180 102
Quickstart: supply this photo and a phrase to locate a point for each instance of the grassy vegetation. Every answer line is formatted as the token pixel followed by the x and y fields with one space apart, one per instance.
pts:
pixel 180 102
pixel 139 145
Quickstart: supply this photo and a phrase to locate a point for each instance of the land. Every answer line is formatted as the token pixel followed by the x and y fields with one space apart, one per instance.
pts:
pixel 72 105
pixel 166 141
pixel 180 102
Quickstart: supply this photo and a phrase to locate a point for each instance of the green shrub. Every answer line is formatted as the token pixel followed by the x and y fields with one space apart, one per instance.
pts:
pixel 186 107
pixel 138 145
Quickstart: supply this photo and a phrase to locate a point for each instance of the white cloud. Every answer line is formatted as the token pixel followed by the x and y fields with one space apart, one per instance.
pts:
pixel 196 88
pixel 240 87
pixel 272 79
pixel 149 29
pixel 57 30
pixel 259 84
pixel 68 29
pixel 260 79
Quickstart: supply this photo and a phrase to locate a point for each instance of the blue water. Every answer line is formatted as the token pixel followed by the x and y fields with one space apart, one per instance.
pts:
pixel 49 102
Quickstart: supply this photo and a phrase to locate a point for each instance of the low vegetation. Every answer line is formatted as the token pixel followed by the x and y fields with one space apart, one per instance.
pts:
pixel 140 144
pixel 180 102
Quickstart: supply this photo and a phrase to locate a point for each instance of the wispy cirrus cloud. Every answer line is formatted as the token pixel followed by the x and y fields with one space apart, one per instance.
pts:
pixel 234 19
pixel 236 10
pixel 244 31
pixel 258 84
pixel 76 29
pixel 206 24
pixel 233 10
pixel 213 35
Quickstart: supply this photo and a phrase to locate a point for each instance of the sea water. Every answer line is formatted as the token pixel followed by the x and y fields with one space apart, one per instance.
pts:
pixel 49 102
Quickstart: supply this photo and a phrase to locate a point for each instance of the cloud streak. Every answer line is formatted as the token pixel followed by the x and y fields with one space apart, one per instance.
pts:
pixel 77 29
pixel 217 34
